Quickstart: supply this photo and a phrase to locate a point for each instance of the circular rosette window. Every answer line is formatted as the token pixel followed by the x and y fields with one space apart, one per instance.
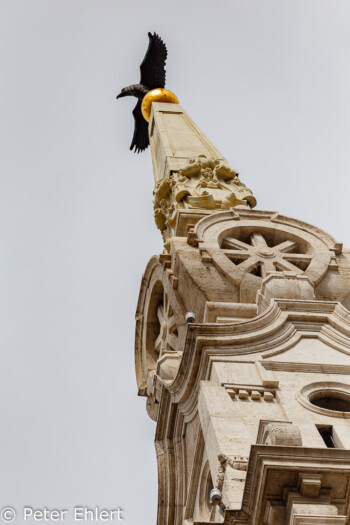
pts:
pixel 162 335
pixel 260 251
pixel 160 329
pixel 247 245
pixel 327 398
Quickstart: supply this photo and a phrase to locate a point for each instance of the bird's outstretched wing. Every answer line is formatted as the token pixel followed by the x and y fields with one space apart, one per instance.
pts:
pixel 140 139
pixel 153 65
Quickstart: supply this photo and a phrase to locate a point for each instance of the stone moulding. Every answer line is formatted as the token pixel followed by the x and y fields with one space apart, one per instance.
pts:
pixel 276 218
pixel 331 466
pixel 195 476
pixel 248 245
pixel 276 330
pixel 279 327
pixel 272 332
pixel 331 387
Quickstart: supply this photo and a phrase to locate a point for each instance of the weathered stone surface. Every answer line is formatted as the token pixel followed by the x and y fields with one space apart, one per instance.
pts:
pixel 253 398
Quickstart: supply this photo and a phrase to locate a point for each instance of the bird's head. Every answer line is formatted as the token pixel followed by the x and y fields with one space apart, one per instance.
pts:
pixel 123 93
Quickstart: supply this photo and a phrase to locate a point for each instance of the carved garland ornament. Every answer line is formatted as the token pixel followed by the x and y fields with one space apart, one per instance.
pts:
pixel 205 183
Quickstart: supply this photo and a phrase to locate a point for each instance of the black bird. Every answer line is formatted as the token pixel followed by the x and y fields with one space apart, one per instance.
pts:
pixel 152 76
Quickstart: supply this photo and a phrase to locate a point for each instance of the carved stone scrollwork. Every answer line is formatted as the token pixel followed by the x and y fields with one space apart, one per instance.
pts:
pixel 205 183
pixel 237 463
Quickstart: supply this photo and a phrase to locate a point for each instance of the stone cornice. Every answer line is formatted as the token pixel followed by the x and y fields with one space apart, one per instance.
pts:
pixel 266 458
pixel 272 332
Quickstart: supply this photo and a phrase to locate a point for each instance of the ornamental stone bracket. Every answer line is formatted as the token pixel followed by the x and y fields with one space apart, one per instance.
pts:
pixel 205 183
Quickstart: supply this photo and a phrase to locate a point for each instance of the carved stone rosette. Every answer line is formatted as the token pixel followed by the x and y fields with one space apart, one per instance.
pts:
pixel 204 183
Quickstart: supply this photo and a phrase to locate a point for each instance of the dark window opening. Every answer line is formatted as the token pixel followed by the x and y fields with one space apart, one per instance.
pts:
pixel 256 270
pixel 327 435
pixel 337 401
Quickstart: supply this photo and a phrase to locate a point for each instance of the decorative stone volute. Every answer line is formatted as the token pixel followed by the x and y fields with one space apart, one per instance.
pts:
pixel 281 433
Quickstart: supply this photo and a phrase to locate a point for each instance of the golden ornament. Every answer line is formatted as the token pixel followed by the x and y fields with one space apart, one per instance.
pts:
pixel 156 95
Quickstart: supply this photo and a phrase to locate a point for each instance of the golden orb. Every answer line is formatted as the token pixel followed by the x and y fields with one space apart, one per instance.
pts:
pixel 156 95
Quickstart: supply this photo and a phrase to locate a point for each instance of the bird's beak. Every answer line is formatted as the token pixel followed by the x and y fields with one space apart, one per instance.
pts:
pixel 121 94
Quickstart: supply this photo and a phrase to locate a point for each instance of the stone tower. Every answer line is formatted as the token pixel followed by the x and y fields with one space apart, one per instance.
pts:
pixel 242 347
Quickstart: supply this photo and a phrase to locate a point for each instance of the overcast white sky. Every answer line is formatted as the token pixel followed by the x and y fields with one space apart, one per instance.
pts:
pixel 268 82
